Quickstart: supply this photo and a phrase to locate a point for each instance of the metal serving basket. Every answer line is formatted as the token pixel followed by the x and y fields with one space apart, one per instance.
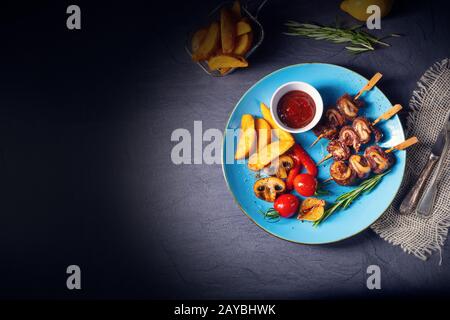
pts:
pixel 258 32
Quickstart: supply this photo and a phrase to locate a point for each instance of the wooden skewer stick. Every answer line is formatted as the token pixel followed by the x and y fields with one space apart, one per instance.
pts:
pixel 402 146
pixel 385 116
pixel 320 136
pixel 328 156
pixel 327 180
pixel 372 82
pixel 405 144
pixel 388 114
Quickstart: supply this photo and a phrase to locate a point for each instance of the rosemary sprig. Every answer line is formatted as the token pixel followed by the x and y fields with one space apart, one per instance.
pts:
pixel 345 199
pixel 360 41
pixel 272 215
pixel 320 191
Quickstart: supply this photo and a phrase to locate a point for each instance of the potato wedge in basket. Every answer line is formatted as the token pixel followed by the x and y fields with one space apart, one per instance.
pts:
pixel 243 27
pixel 209 44
pixel 197 39
pixel 226 61
pixel 227 30
pixel 243 44
pixel 236 9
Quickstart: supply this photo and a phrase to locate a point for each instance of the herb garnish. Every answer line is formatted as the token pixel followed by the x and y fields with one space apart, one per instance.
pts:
pixel 272 215
pixel 360 41
pixel 344 200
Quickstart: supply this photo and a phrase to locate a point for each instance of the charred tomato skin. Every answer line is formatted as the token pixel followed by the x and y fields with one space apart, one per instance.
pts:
pixel 286 205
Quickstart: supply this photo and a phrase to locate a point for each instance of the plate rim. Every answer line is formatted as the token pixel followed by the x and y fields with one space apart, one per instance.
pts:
pixel 248 215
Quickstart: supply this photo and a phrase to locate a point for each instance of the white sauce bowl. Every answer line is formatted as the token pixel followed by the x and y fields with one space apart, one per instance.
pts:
pixel 296 86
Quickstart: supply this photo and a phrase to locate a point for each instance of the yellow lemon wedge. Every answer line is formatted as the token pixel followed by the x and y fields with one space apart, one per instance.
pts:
pixel 358 8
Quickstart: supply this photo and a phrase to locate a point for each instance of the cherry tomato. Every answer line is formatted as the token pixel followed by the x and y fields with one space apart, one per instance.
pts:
pixel 286 205
pixel 305 184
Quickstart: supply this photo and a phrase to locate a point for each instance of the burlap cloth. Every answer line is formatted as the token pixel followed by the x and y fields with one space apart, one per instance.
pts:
pixel 428 107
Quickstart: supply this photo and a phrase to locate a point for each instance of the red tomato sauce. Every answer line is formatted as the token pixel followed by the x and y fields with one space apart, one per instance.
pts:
pixel 296 109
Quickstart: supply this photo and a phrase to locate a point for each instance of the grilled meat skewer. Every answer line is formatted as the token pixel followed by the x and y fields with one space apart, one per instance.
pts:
pixel 379 160
pixel 339 150
pixel 349 137
pixel 375 160
pixel 364 129
pixel 360 165
pixel 342 173
pixel 348 107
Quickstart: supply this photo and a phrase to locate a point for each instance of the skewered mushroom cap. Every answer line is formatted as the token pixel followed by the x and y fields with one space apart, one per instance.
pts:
pixel 269 189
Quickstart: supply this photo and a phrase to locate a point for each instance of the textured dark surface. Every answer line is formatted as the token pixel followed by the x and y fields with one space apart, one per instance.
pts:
pixel 86 175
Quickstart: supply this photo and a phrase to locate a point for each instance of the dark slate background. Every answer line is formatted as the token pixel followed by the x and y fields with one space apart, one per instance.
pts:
pixel 85 171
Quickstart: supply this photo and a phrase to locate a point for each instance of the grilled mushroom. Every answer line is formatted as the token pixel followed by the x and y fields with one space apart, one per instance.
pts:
pixel 334 117
pixel 348 107
pixel 342 174
pixel 269 189
pixel 280 167
pixel 360 165
pixel 379 160
pixel 338 150
pixel 350 138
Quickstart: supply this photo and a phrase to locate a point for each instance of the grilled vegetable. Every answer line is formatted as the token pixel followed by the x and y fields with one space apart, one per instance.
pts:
pixel 281 134
pixel 264 133
pixel 302 157
pixel 312 209
pixel 305 184
pixel 247 138
pixel 268 189
pixel 280 167
pixel 286 205
pixel 262 158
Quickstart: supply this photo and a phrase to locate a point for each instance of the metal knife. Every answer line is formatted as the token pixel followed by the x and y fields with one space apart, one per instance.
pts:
pixel 440 148
pixel 412 198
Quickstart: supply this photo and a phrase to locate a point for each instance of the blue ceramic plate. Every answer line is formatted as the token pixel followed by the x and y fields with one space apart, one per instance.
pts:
pixel 331 81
